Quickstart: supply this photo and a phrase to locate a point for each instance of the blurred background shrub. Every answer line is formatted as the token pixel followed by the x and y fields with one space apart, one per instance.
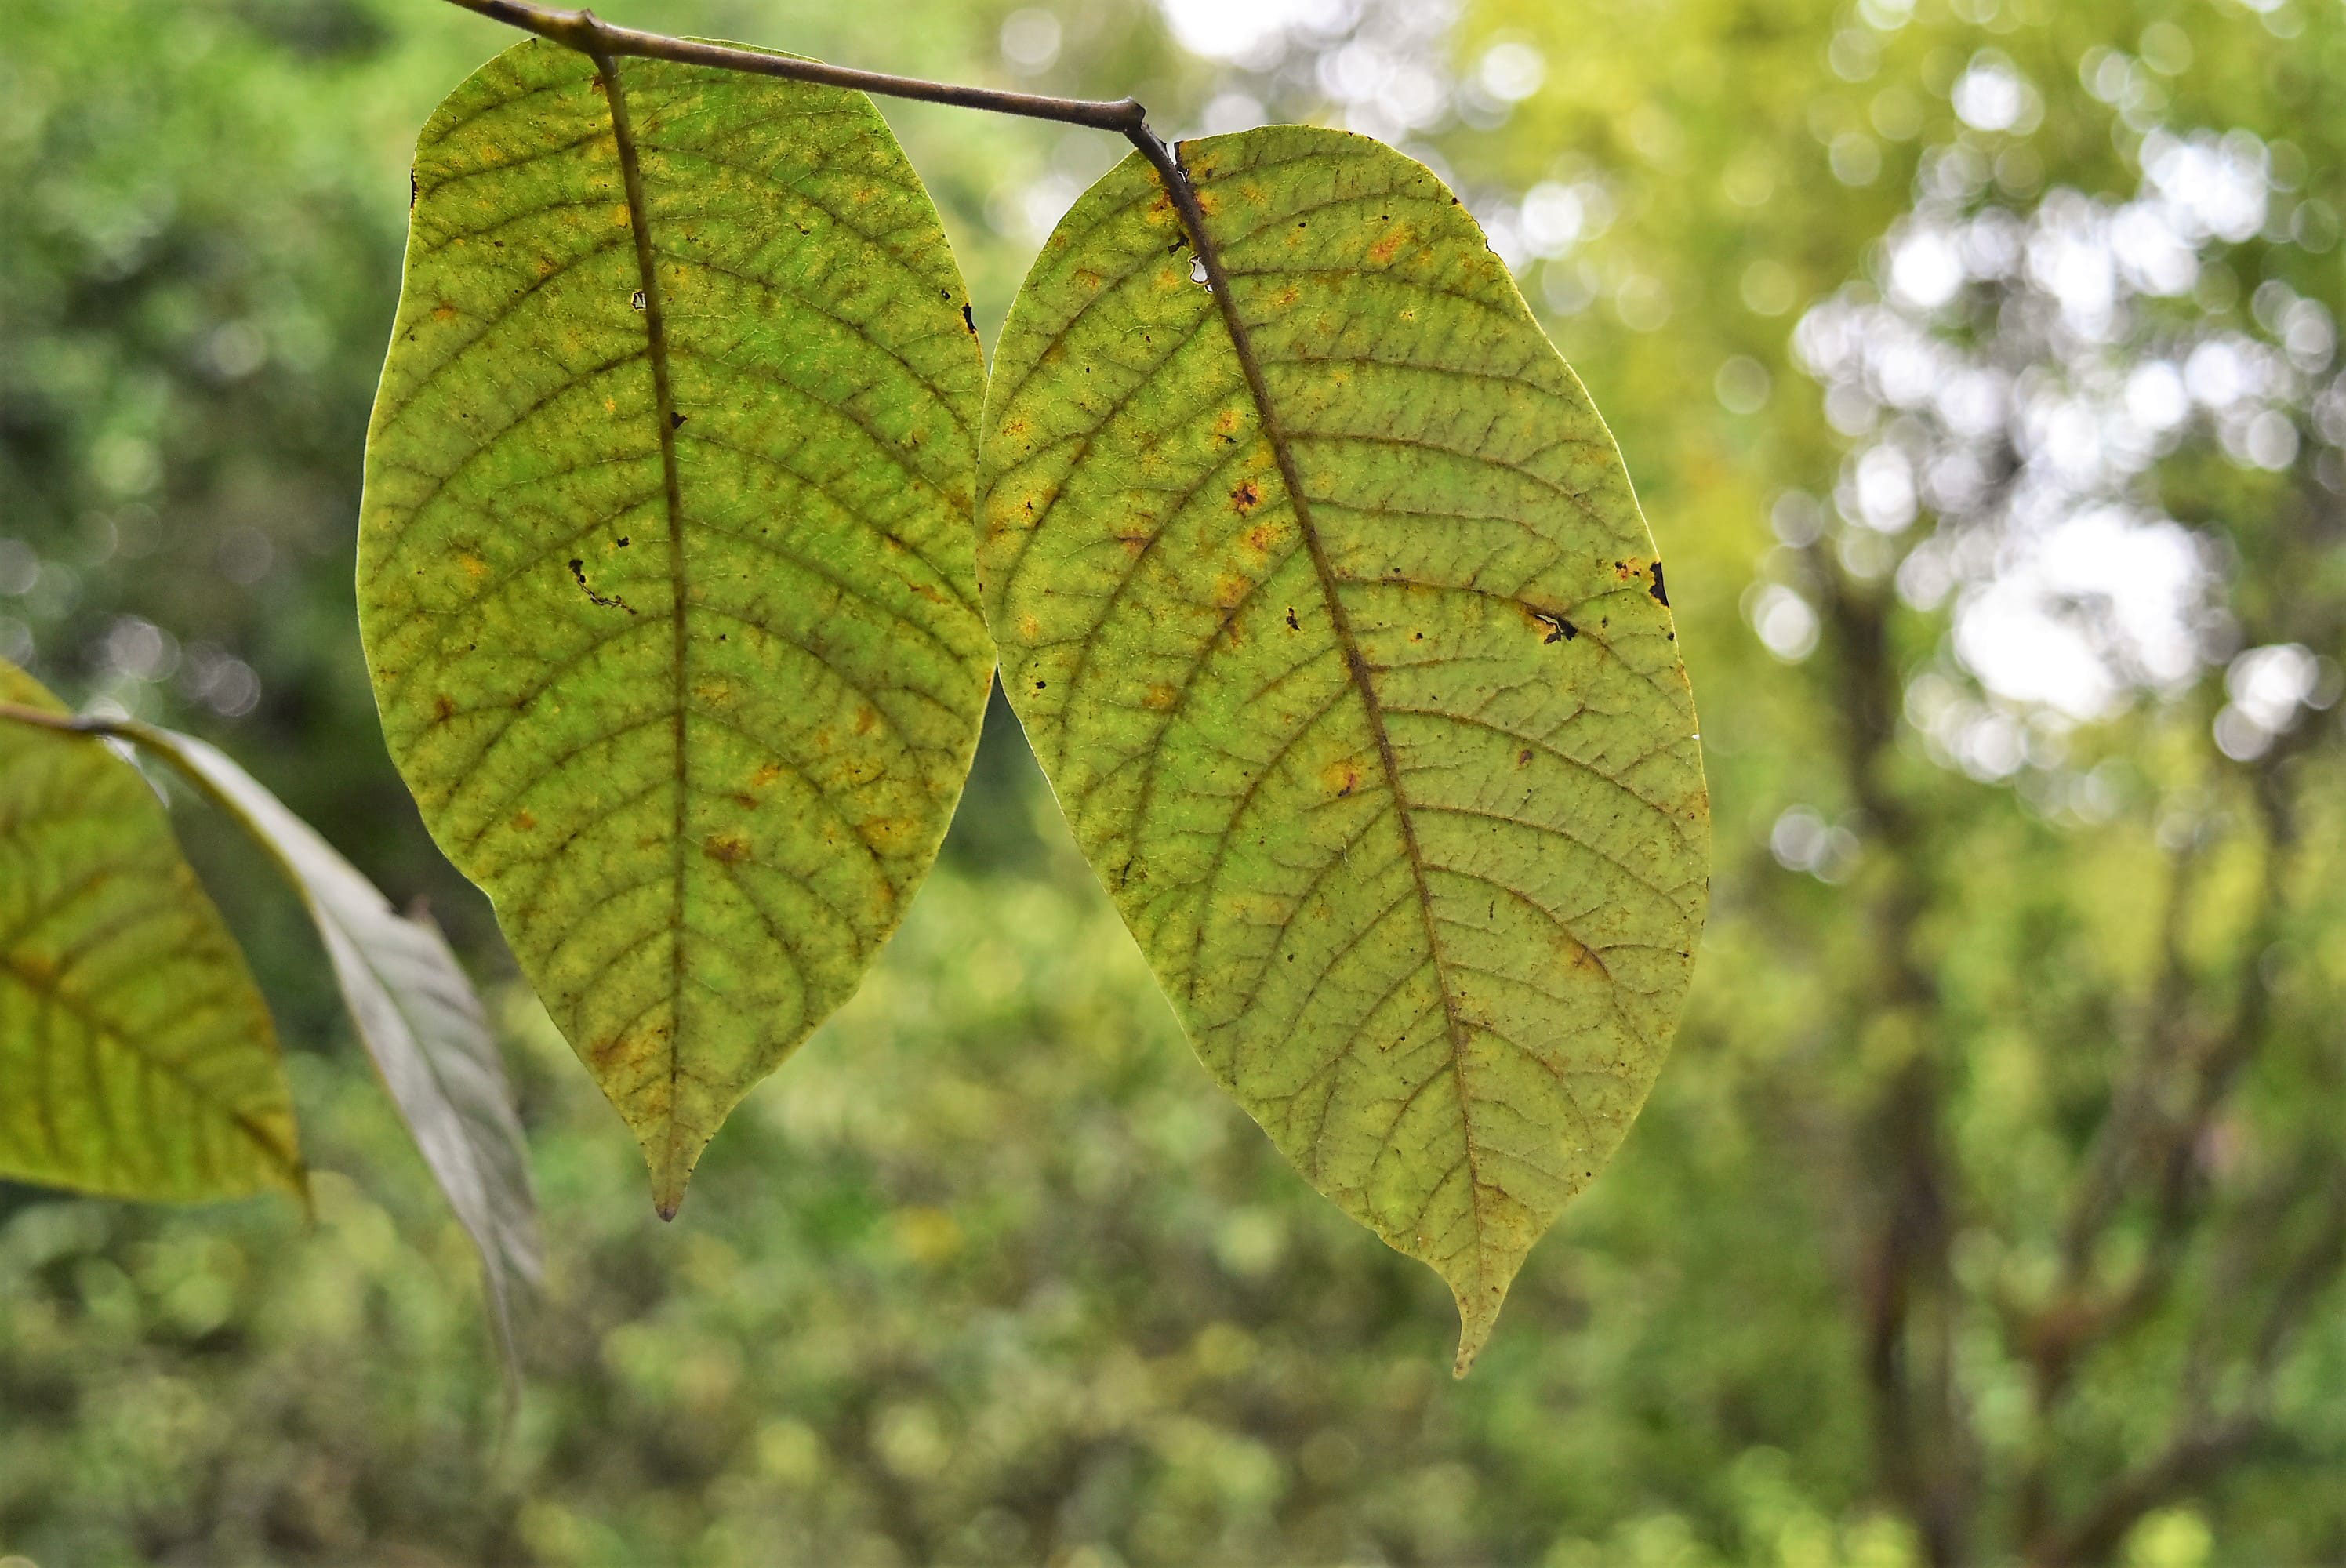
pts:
pixel 1976 360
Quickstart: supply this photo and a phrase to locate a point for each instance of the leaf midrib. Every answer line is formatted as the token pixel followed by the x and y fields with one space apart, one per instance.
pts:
pixel 669 1187
pixel 1184 195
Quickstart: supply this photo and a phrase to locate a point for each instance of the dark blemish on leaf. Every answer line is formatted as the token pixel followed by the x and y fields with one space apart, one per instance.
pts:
pixel 1660 597
pixel 412 190
pixel 1245 497
pixel 1292 624
pixel 968 320
pixel 726 849
pixel 1523 756
pixel 622 541
pixel 947 295
pixel 675 420
pixel 612 602
pixel 1558 628
pixel 443 708
pixel 636 300
pixel 1041 683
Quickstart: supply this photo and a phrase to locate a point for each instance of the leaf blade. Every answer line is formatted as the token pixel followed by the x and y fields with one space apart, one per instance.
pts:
pixel 735 668
pixel 166 1083
pixel 1220 529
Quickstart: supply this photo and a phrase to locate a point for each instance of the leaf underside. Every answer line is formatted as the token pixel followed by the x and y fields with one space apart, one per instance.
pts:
pixel 137 1059
pixel 421 1021
pixel 1356 680
pixel 665 581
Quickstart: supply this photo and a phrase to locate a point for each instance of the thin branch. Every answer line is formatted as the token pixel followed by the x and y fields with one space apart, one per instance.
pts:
pixel 591 35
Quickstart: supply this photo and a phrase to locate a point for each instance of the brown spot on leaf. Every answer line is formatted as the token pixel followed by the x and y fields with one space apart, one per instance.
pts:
pixel 443 708
pixel 726 849
pixel 766 774
pixel 522 821
pixel 1160 696
pixel 1245 497
pixel 1341 779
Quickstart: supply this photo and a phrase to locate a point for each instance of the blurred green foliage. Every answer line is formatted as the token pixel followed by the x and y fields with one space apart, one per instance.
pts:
pixel 1990 1208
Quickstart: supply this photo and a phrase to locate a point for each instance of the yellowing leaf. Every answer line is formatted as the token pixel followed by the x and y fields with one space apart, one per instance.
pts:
pixel 1334 621
pixel 665 561
pixel 137 1059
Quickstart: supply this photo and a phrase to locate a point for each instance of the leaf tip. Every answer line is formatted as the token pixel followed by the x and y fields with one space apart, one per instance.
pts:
pixel 1477 1315
pixel 672 1154
pixel 668 1182
pixel 1480 1293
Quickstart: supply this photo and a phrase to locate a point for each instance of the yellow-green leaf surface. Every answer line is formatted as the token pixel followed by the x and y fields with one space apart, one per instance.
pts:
pixel 1356 678
pixel 665 571
pixel 137 1059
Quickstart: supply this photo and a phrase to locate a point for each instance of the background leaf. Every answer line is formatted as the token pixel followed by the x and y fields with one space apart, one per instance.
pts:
pixel 666 583
pixel 137 1059
pixel 417 1016
pixel 1354 674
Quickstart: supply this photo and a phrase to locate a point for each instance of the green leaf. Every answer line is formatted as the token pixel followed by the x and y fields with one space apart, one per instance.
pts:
pixel 665 565
pixel 1334 621
pixel 417 1016
pixel 137 1059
